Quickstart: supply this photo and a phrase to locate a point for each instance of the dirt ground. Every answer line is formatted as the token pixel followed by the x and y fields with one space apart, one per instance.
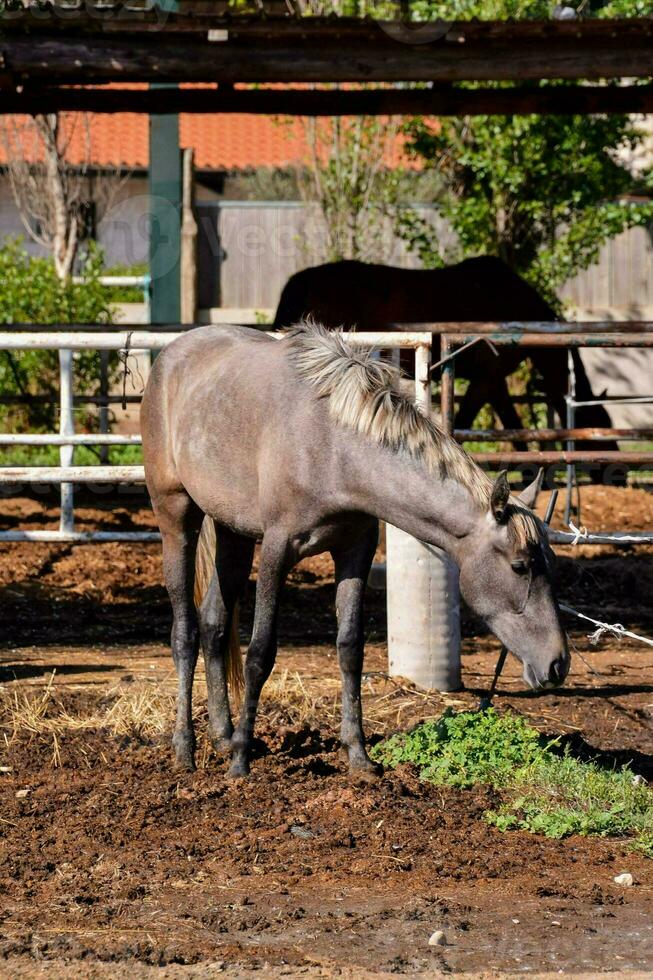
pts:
pixel 113 865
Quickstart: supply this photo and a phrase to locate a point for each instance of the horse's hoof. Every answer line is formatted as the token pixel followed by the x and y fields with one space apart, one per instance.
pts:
pixel 238 770
pixel 221 745
pixel 184 763
pixel 367 772
pixel 184 753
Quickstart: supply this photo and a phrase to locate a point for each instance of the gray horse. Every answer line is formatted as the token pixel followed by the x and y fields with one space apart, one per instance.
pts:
pixel 305 443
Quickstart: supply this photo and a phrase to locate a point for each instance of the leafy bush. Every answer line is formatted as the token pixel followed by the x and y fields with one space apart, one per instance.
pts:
pixel 31 292
pixel 547 791
pixel 125 294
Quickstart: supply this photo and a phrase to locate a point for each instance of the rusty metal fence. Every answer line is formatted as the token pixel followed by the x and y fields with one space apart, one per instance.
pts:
pixel 608 334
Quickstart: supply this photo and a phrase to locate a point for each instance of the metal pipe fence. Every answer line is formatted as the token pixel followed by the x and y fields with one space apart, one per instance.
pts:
pixel 130 340
pixel 135 339
pixel 608 334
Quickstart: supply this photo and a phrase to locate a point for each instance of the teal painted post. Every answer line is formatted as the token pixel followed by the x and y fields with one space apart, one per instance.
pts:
pixel 165 219
pixel 165 210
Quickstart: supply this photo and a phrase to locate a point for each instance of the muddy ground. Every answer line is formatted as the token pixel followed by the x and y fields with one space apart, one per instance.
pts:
pixel 114 865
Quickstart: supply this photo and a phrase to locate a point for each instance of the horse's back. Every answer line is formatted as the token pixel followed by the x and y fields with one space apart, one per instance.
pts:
pixel 197 357
pixel 372 297
pixel 193 405
pixel 346 294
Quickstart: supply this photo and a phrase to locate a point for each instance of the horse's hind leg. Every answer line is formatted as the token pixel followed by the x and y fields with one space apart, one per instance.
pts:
pixel 180 521
pixel 262 650
pixel 352 569
pixel 233 562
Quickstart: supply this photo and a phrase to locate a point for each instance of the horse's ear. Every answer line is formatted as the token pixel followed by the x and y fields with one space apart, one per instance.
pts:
pixel 530 493
pixel 500 496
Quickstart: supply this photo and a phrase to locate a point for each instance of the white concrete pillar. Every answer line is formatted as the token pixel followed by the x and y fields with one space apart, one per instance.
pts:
pixel 422 593
pixel 423 613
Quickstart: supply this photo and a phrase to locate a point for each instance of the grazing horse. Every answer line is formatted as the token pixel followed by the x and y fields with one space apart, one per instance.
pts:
pixel 305 443
pixel 375 297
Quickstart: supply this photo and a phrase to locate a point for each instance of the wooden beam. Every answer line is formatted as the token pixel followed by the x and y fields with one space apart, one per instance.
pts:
pixel 278 20
pixel 440 101
pixel 78 59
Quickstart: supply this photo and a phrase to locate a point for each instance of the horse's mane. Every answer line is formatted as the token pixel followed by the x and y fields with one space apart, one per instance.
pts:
pixel 364 394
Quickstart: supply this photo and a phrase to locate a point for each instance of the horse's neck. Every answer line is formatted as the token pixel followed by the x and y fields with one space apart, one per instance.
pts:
pixel 404 493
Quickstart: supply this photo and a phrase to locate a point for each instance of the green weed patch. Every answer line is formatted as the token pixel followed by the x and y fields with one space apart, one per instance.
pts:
pixel 546 790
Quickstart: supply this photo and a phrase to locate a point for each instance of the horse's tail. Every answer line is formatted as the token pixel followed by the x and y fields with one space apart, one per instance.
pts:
pixel 204 572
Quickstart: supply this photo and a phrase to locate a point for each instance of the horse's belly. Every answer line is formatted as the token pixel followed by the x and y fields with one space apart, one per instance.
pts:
pixel 219 471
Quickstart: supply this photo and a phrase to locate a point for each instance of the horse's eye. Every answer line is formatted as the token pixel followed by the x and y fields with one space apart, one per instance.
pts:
pixel 520 567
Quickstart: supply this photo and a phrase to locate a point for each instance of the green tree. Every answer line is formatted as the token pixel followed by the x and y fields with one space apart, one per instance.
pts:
pixel 346 177
pixel 543 193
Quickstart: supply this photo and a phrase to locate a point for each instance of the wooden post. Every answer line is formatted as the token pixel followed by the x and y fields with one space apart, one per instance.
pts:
pixel 188 241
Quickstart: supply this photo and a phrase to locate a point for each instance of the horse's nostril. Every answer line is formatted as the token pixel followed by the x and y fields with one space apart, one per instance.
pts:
pixel 558 669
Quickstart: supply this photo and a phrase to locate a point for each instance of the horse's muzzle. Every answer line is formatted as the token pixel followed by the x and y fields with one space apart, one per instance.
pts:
pixel 554 677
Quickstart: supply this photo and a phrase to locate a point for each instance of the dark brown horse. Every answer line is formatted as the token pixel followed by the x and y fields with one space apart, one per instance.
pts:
pixel 374 297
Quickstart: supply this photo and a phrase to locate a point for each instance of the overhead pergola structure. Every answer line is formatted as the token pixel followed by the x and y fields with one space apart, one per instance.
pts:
pixel 48 50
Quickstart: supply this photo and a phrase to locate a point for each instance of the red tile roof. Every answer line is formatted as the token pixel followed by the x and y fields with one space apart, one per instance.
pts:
pixel 222 142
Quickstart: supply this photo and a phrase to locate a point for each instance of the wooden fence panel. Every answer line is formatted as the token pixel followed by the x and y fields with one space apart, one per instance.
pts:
pixel 249 249
pixel 620 284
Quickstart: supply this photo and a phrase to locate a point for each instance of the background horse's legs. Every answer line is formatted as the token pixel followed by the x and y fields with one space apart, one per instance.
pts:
pixel 477 395
pixel 494 392
pixel 180 521
pixel 352 569
pixel 233 563
pixel 262 650
pixel 505 409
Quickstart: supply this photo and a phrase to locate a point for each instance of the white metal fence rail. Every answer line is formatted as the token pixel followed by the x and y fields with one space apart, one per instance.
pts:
pixel 133 341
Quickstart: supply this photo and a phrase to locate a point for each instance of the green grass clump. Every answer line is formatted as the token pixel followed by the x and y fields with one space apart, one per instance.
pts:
pixel 547 791
pixel 466 748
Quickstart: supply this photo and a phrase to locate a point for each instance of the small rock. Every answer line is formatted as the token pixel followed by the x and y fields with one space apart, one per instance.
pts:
pixel 302 832
pixel 21 794
pixel 438 938
pixel 624 879
pixel 5 769
pixel 516 921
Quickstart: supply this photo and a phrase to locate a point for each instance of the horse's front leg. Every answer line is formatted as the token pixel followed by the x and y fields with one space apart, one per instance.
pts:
pixel 180 521
pixel 352 569
pixel 262 650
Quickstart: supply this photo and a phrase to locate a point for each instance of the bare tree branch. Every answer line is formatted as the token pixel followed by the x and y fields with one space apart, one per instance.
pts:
pixel 348 177
pixel 49 190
